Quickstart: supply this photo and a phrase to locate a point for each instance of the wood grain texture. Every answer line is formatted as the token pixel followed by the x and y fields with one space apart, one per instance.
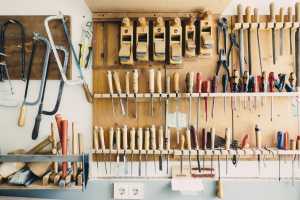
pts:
pixel 33 24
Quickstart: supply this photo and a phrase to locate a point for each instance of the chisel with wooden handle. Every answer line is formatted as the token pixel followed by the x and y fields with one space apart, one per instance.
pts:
pixel 189 87
pixel 127 90
pixel 111 89
pixel 273 20
pixel 146 147
pixel 182 144
pixel 140 148
pixel 256 20
pixel 153 144
pixel 160 145
pixel 95 142
pixel 159 90
pixel 212 147
pixel 151 88
pixel 227 145
pixel 118 147
pixel 189 147
pixel 102 144
pixel 132 147
pixel 168 145
pixel 110 146
pixel 176 89
pixel 135 85
pixel 118 89
pixel 219 185
pixel 125 147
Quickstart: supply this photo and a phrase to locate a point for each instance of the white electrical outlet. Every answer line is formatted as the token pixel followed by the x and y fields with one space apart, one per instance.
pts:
pixel 127 190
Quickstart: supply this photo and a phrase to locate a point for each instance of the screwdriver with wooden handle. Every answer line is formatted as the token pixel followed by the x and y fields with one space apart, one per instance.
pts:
pixel 182 143
pixel 189 147
pixel 95 141
pixel 176 89
pixel 132 147
pixel 102 144
pixel 212 147
pixel 189 87
pixel 111 89
pixel 135 85
pixel 118 89
pixel 227 145
pixel 110 146
pixel 159 90
pixel 198 90
pixel 168 146
pixel 160 145
pixel 146 147
pixel 219 184
pixel 118 147
pixel 151 88
pixel 140 148
pixel 258 145
pixel 153 144
pixel 125 147
pixel 127 90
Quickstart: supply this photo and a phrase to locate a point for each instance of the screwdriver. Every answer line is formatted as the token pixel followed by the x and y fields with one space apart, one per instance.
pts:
pixel 135 85
pixel 102 143
pixel 258 144
pixel 198 90
pixel 111 90
pixel 206 89
pixel 224 86
pixel 118 146
pixel 214 83
pixel 140 147
pixel 168 146
pixel 146 147
pixel 227 145
pixel 96 142
pixel 132 147
pixel 118 89
pixel 189 147
pixel 127 89
pixel 189 87
pixel 271 89
pixel 212 147
pixel 176 89
pixel 182 141
pixel 151 87
pixel 159 89
pixel 125 147
pixel 111 143
pixel 160 145
pixel 153 144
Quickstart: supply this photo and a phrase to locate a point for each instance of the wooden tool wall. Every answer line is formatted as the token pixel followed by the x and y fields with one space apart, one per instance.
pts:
pixel 242 121
pixel 12 45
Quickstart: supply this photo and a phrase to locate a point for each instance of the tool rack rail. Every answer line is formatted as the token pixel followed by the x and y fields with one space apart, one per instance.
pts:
pixel 37 185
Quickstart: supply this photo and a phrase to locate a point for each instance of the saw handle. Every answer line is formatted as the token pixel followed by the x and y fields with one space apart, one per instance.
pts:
pixel 21 120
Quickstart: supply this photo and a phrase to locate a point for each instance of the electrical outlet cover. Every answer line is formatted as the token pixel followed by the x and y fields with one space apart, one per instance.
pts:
pixel 128 190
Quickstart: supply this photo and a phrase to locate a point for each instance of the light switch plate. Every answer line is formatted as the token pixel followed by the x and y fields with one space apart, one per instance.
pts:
pixel 128 190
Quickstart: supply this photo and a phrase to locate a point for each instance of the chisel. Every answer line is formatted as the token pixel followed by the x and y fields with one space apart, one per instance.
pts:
pixel 176 89
pixel 204 144
pixel 151 87
pixel 198 90
pixel 182 143
pixel 95 142
pixel 189 80
pixel 256 20
pixel 189 147
pixel 248 20
pixel 168 146
pixel 290 20
pixel 241 39
pixel 206 89
pixel 212 147
pixel 153 144
pixel 132 147
pixel 135 85
pixel 125 147
pixel 160 145
pixel 258 145
pixel 118 147
pixel 111 90
pixel 140 148
pixel 110 146
pixel 102 143
pixel 227 145
pixel 127 89
pixel 119 90
pixel 146 147
pixel 214 83
pixel 159 90
pixel 281 15
pixel 273 20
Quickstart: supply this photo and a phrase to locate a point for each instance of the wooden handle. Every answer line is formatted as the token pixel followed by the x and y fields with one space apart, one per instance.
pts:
pixel 75 147
pixel 132 138
pixel 161 138
pixel 256 16
pixel 147 139
pixel 290 14
pixel 168 85
pixel 198 82
pixel 111 138
pixel 292 144
pixel 118 139
pixel 87 92
pixel 39 147
pixel 286 141
pixel 151 80
pixel 158 82
pixel 117 82
pixel 95 138
pixel 272 12
pixel 176 82
pixel 124 137
pixel 127 82
pixel 227 138
pixel 58 119
pixel 240 13
pixel 297 12
pixel 135 81
pixel 110 82
pixel 188 139
pixel 258 137
pixel 182 141
pixel 64 145
pixel 168 139
pixel 189 82
pixel 220 190
pixel 140 138
pixel 212 138
pixel 21 121
pixel 101 136
pixel 204 139
pixel 53 139
pixel 281 14
pixel 153 137
pixel 248 14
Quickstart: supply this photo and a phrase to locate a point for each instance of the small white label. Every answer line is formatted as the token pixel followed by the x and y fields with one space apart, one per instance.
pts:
pixel 172 120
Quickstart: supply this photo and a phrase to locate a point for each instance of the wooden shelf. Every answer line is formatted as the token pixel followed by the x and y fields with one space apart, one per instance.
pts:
pixel 37 186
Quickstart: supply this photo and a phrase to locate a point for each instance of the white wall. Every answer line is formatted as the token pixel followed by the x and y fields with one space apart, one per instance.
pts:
pixel 73 106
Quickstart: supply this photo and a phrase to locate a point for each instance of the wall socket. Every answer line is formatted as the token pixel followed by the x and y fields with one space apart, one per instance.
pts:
pixel 128 190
